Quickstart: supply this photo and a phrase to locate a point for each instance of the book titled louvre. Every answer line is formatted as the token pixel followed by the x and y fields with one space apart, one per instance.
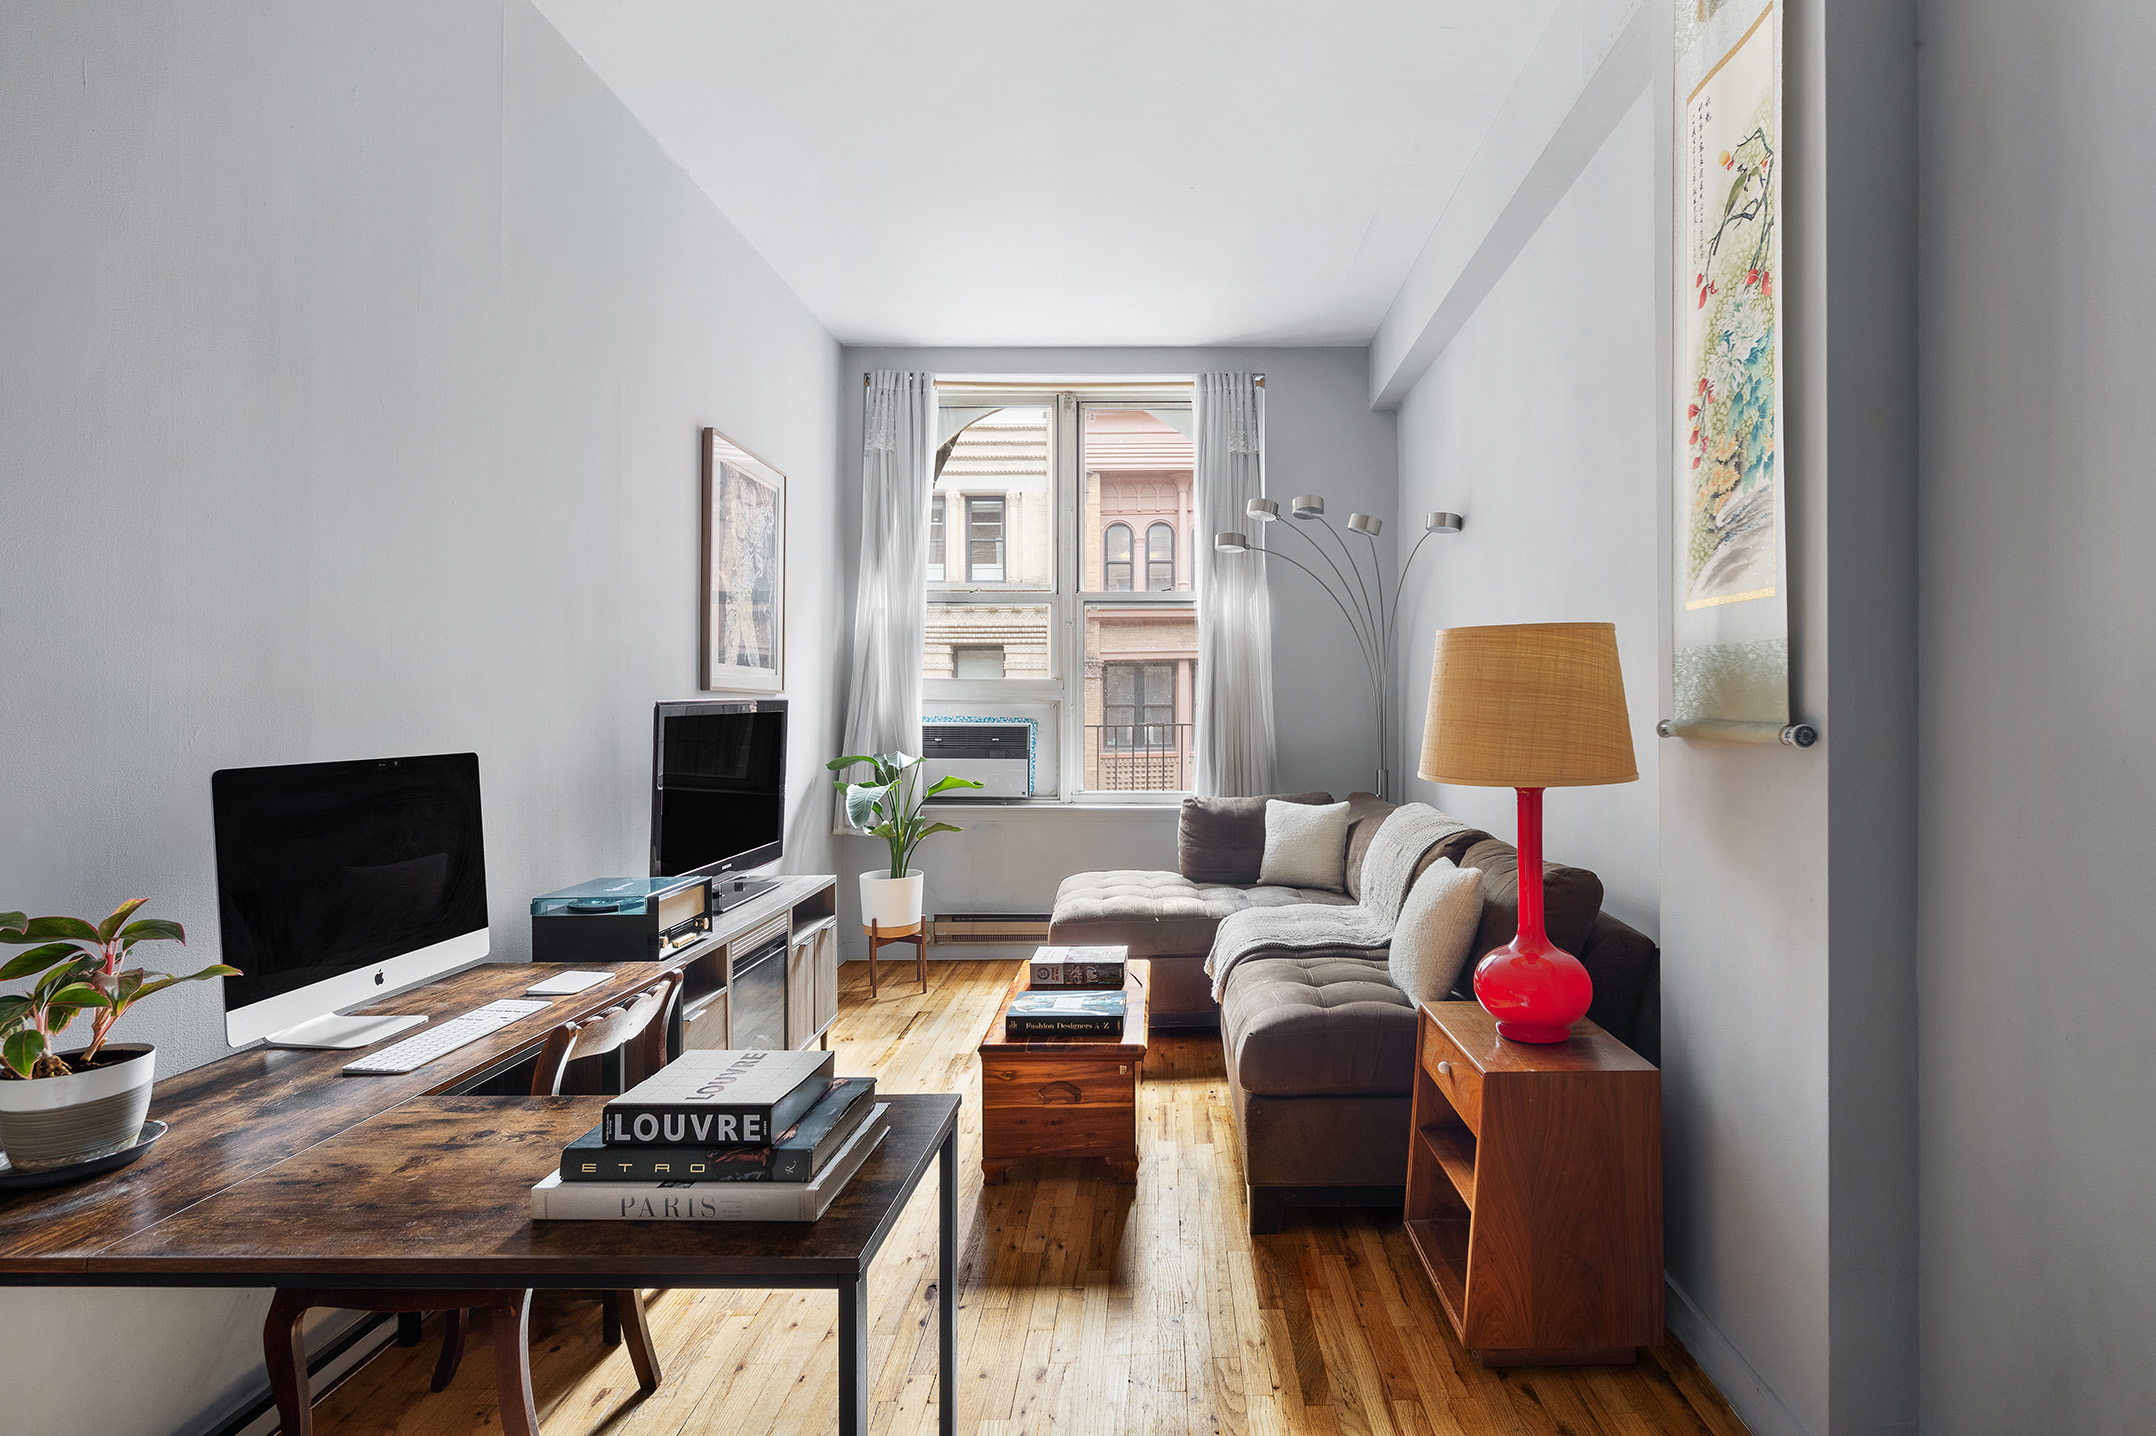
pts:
pixel 795 1155
pixel 709 1098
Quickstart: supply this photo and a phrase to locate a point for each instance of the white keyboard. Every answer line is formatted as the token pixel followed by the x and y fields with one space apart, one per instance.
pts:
pixel 414 1053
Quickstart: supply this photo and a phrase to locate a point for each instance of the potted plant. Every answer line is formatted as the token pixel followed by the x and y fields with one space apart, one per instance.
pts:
pixel 889 806
pixel 58 1108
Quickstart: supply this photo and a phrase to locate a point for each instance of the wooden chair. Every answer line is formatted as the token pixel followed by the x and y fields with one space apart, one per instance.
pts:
pixel 635 1029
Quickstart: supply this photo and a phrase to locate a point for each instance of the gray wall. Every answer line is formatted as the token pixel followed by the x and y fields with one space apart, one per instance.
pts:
pixel 1562 526
pixel 2039 1272
pixel 1321 437
pixel 355 361
pixel 1777 879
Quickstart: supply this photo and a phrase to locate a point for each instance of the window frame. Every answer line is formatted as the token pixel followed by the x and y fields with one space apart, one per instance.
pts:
pixel 1002 539
pixel 1068 600
pixel 1158 526
pixel 938 536
pixel 1129 560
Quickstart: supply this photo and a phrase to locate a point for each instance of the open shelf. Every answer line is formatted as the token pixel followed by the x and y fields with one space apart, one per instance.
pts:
pixel 1452 1146
pixel 1442 1245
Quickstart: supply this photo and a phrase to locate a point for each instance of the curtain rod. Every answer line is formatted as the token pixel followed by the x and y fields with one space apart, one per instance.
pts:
pixel 1134 383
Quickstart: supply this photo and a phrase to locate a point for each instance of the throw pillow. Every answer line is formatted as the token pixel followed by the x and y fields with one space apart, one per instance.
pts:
pixel 1305 845
pixel 1436 932
pixel 1222 840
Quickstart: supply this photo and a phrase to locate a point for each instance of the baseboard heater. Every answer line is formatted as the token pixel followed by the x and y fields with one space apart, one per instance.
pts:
pixel 989 927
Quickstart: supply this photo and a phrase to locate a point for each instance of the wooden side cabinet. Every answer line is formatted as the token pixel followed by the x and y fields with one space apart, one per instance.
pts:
pixel 1534 1190
pixel 812 983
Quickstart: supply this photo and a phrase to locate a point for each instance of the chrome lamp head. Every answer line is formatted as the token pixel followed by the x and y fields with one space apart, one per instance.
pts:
pixel 1365 524
pixel 1308 506
pixel 1442 523
pixel 1264 511
pixel 1231 542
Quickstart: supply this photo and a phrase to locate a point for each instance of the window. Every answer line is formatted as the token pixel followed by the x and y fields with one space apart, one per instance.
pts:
pixel 1115 558
pixel 935 539
pixel 979 660
pixel 1061 588
pixel 1160 559
pixel 984 540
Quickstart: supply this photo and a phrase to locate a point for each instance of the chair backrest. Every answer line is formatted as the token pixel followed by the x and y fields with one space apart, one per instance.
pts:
pixel 637 1023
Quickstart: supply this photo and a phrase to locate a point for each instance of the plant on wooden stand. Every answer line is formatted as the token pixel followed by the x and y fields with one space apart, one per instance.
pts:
pixel 889 806
pixel 60 1107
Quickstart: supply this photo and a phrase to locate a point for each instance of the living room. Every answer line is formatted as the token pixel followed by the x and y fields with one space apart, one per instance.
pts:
pixel 373 373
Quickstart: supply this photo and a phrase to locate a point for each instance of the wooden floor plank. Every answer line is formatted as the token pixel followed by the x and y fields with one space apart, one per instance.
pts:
pixel 1084 1304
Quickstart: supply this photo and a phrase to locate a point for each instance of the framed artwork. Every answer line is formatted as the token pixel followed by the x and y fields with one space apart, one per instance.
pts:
pixel 744 570
pixel 1729 610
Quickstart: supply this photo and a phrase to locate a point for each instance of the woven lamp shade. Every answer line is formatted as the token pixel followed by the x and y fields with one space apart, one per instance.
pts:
pixel 1527 705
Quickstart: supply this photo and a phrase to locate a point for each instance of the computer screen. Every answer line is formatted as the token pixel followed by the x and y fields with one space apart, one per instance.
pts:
pixel 718 800
pixel 330 869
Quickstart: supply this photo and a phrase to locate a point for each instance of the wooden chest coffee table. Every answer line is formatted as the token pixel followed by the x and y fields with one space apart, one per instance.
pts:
pixel 1067 1097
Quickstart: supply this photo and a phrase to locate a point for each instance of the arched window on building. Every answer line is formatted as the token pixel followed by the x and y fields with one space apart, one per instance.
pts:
pixel 1115 551
pixel 1159 559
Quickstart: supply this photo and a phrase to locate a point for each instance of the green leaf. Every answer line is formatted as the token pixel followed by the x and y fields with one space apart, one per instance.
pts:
pixel 153 929
pixel 897 760
pixel 12 1009
pixel 952 781
pixel 848 761
pixel 936 828
pixel 12 922
pixel 22 1049
pixel 37 959
pixel 78 994
pixel 45 929
pixel 120 915
pixel 215 969
pixel 864 803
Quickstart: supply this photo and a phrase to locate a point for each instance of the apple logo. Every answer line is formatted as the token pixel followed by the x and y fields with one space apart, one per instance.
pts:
pixel 378 979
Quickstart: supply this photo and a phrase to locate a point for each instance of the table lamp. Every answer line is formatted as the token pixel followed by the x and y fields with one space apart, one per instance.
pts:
pixel 1529 706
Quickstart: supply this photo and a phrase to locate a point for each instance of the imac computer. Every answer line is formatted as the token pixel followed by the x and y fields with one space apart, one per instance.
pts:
pixel 718 793
pixel 341 884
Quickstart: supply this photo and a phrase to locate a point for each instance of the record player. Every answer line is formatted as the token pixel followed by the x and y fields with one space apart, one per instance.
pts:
pixel 620 919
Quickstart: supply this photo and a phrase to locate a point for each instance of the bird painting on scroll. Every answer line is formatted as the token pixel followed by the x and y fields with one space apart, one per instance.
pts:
pixel 1730 600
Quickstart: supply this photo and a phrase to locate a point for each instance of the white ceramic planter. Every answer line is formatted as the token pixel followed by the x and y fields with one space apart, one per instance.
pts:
pixel 51 1122
pixel 890 902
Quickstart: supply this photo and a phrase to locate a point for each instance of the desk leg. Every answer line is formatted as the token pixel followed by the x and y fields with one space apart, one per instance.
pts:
pixel 853 1357
pixel 947 1287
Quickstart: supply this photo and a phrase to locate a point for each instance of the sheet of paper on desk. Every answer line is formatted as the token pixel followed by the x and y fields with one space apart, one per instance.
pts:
pixel 566 984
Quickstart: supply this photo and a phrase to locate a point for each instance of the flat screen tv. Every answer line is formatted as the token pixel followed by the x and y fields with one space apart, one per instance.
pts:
pixel 339 884
pixel 718 787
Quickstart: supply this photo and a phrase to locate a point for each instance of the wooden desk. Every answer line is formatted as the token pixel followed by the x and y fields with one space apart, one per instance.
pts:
pixel 437 1193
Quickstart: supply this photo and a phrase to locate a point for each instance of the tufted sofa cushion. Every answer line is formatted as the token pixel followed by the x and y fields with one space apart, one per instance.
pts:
pixel 1158 914
pixel 1318 1026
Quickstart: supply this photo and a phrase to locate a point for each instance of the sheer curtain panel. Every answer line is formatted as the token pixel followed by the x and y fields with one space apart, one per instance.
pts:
pixel 1235 621
pixel 898 442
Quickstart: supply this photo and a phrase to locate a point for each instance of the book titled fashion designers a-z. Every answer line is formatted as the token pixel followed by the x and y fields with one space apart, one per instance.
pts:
pixel 709 1098
pixel 1064 1014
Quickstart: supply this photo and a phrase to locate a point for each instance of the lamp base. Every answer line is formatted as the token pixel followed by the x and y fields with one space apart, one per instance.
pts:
pixel 1535 993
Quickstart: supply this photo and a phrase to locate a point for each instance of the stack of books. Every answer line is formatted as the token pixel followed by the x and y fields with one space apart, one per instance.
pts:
pixel 1072 992
pixel 720 1137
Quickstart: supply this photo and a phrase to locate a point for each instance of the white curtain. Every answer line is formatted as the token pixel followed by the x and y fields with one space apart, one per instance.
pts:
pixel 898 452
pixel 1235 621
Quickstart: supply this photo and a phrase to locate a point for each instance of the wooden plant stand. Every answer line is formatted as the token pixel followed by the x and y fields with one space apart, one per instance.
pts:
pixel 1534 1190
pixel 916 933
pixel 1064 1097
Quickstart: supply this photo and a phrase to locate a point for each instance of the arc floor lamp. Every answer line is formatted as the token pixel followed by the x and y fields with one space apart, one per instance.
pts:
pixel 1360 600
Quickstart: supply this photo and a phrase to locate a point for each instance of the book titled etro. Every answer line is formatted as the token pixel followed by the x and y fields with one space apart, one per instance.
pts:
pixel 709 1098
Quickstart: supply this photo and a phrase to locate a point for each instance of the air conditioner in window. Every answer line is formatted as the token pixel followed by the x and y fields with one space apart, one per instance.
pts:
pixel 997 753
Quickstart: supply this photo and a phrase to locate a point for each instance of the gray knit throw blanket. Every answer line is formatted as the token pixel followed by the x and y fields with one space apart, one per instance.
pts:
pixel 1405 835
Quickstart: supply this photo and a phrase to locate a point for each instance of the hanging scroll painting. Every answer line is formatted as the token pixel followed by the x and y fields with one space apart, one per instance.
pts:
pixel 1730 589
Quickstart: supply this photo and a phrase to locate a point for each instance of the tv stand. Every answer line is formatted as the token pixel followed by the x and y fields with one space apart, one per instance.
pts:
pixel 733 892
pixel 335 1031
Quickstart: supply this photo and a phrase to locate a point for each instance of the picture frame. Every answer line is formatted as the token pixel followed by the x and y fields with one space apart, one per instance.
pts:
pixel 743 607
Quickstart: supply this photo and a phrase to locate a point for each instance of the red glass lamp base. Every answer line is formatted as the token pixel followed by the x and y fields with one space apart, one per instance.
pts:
pixel 1535 996
pixel 1534 988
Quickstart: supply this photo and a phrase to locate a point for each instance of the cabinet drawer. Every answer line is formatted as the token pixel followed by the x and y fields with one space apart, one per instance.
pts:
pixel 1057 1084
pixel 1455 1076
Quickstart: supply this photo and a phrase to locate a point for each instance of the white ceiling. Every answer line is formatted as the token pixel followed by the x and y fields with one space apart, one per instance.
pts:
pixel 1116 172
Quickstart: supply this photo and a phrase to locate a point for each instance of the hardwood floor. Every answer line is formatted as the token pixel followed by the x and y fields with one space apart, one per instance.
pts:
pixel 1084 1304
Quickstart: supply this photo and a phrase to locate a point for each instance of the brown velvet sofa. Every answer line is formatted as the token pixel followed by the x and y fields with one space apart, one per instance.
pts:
pixel 1320 1047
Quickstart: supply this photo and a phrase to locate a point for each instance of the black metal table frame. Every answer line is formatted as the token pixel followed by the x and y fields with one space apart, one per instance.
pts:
pixel 852 1289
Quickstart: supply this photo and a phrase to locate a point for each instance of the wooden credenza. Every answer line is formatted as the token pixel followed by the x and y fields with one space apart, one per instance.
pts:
pixel 1534 1190
pixel 802 911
